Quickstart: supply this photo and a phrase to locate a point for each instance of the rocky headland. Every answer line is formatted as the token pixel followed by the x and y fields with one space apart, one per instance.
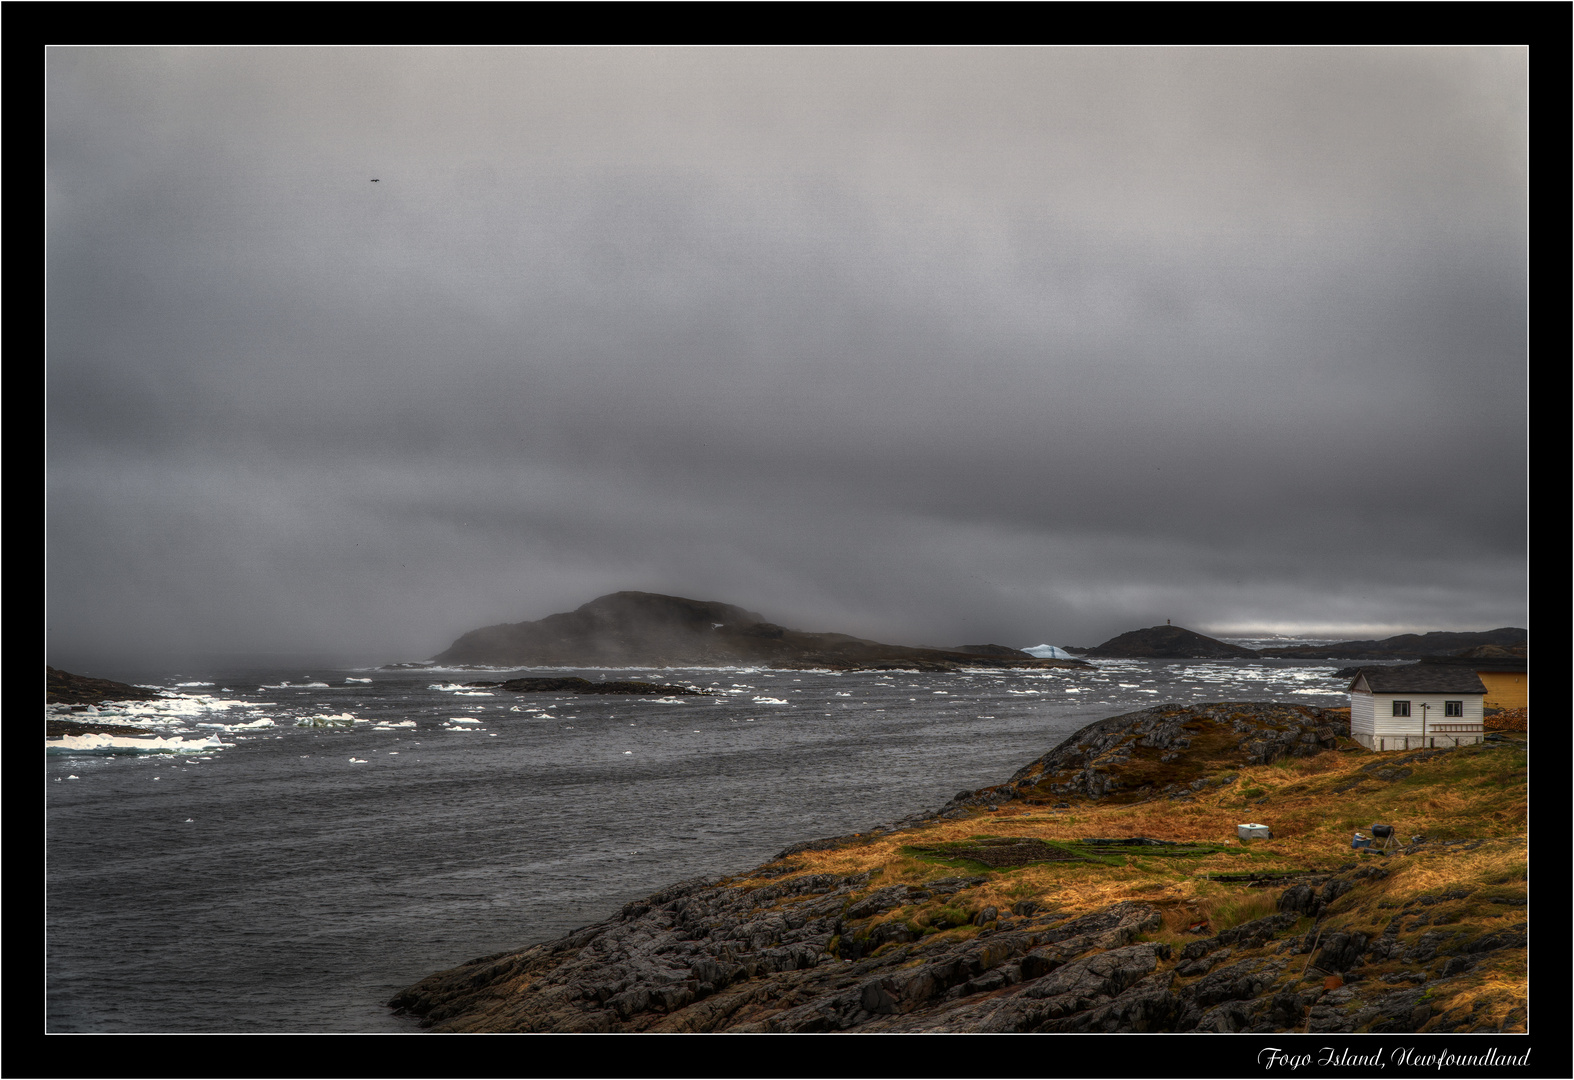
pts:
pixel 634 629
pixel 64 688
pixel 1102 888
pixel 81 692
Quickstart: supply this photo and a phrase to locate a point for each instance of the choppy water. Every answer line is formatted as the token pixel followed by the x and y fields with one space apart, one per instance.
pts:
pixel 322 841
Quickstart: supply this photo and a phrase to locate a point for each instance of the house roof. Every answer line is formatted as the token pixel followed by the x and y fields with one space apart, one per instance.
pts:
pixel 1419 679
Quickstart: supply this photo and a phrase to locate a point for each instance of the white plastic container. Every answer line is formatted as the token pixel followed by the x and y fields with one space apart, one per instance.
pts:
pixel 1253 831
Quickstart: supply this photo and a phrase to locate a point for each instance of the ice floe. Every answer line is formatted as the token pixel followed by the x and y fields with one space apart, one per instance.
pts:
pixel 128 744
pixel 343 719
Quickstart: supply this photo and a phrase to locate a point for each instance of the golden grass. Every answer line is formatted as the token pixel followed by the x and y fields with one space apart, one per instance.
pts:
pixel 1311 824
pixel 1486 995
pixel 1477 793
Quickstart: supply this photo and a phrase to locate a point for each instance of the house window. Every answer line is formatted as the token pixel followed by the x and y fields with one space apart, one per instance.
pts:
pixel 1401 708
pixel 1453 708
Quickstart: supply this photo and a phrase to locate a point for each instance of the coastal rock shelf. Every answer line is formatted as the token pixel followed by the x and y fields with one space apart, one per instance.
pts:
pixel 1105 912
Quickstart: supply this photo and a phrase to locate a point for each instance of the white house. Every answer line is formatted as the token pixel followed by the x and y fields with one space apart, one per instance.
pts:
pixel 1422 705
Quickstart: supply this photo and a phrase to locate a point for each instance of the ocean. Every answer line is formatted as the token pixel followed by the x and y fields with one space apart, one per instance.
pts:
pixel 298 845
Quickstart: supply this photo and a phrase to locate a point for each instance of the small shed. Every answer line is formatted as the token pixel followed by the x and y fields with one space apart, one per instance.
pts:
pixel 1421 705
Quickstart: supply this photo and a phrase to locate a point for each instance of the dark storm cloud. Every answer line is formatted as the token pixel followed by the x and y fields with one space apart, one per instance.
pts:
pixel 930 345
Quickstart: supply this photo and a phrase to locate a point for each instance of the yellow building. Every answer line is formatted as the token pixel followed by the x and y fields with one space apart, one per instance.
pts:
pixel 1505 689
pixel 1504 676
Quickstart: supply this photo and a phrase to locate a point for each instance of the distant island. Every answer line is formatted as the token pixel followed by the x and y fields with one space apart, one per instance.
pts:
pixel 1502 642
pixel 1178 643
pixel 636 629
pixel 1167 643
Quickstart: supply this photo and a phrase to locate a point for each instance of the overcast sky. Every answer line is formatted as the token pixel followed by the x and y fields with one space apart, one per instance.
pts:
pixel 936 346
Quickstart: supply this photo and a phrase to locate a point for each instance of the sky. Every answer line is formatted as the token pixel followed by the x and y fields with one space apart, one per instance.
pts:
pixel 937 346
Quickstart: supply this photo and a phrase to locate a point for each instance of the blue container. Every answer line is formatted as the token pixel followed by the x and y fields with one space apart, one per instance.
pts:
pixel 1360 842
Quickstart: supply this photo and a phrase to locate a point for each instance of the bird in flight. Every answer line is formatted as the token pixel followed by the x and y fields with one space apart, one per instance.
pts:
pixel 375 180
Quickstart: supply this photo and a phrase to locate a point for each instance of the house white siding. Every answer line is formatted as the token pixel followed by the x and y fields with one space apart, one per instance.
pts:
pixel 1373 725
pixel 1361 718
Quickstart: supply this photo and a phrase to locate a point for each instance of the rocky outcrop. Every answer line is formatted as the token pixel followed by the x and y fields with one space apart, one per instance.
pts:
pixel 64 688
pixel 1170 751
pixel 1167 643
pixel 821 953
pixel 650 630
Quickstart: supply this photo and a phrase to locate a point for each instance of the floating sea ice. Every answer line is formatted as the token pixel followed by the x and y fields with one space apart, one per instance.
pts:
pixel 463 720
pixel 357 761
pixel 350 679
pixel 73 776
pixel 119 744
pixel 778 701
pixel 326 720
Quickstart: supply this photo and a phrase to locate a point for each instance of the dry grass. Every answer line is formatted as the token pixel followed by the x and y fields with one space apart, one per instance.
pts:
pixel 1477 792
pixel 1476 795
pixel 1490 993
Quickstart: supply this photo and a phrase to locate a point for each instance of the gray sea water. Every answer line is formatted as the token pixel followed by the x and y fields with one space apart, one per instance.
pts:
pixel 307 842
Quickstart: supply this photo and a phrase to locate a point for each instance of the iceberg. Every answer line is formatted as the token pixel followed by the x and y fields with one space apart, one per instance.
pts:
pixel 1049 652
